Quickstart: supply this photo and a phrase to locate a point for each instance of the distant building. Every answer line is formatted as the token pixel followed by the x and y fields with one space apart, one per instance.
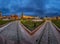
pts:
pixel 48 18
pixel 28 17
pixel 14 17
pixel 58 17
pixel 6 18
pixel 0 15
pixel 37 17
pixel 54 18
pixel 25 17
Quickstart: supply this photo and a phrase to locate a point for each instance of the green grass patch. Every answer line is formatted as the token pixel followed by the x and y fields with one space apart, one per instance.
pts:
pixel 4 22
pixel 57 23
pixel 31 25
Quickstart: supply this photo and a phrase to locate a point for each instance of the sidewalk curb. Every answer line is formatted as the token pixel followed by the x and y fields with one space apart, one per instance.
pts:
pixel 31 32
pixel 5 25
pixel 58 29
pixel 2 28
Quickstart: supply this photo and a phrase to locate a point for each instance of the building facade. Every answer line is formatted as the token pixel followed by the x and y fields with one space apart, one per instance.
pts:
pixel 14 17
pixel 0 15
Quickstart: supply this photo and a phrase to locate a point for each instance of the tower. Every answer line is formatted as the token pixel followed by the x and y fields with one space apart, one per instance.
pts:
pixel 22 15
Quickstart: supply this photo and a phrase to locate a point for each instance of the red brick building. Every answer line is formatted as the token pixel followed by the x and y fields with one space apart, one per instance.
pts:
pixel 14 17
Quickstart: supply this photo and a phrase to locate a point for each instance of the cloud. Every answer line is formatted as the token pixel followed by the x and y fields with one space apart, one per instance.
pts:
pixel 30 7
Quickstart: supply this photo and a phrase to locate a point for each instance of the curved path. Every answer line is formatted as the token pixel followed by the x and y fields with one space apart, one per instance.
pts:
pixel 48 36
pixel 14 33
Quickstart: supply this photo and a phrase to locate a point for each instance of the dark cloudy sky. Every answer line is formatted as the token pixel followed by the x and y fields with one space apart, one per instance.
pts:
pixel 31 7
